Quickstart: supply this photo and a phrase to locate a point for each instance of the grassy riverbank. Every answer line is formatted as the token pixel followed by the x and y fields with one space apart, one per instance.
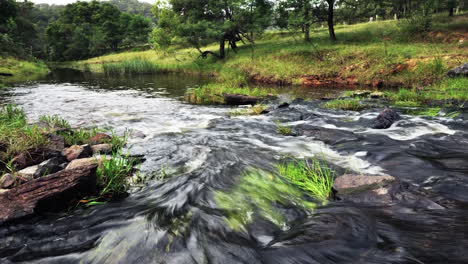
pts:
pixel 19 138
pixel 21 70
pixel 374 55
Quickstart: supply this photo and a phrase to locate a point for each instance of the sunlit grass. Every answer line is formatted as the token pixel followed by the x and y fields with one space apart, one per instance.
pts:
pixel 315 177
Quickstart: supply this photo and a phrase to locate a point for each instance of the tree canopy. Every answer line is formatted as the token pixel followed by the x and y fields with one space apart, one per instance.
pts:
pixel 86 29
pixel 197 23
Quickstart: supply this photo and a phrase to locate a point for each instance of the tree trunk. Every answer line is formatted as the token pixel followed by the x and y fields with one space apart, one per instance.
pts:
pixel 306 24
pixel 222 49
pixel 46 194
pixel 331 23
pixel 451 6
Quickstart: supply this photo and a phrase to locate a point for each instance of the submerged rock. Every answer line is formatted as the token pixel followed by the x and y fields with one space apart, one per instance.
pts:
pixel 77 152
pixel 47 193
pixel 386 119
pixel 461 71
pixel 350 183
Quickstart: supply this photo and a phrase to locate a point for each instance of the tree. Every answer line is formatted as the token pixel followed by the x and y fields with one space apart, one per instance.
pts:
pixel 331 18
pixel 201 22
pixel 86 29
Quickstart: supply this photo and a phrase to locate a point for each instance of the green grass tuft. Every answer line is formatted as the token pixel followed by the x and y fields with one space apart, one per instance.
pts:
pixel 315 177
pixel 16 135
pixel 129 67
pixel 345 104
pixel 284 130
pixel 113 173
pixel 55 122
pixel 214 93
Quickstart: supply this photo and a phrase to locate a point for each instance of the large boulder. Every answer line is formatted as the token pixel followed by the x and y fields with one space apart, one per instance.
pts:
pixel 386 119
pixel 50 193
pixel 461 71
pixel 77 152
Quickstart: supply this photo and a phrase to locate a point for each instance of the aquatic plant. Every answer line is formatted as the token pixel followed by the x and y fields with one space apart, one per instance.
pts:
pixel 259 194
pixel 345 104
pixel 314 176
pixel 284 130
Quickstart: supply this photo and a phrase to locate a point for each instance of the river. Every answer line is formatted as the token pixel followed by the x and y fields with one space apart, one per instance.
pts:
pixel 179 220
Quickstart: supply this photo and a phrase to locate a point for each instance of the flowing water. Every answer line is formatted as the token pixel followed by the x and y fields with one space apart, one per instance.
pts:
pixel 182 219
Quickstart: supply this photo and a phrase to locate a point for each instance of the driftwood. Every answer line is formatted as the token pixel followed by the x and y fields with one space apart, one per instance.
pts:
pixel 5 74
pixel 50 193
pixel 239 99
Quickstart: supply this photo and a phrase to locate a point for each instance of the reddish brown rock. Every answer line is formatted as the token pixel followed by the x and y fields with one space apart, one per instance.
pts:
pixel 77 152
pixel 100 138
pixel 349 183
pixel 102 149
pixel 78 163
pixel 48 193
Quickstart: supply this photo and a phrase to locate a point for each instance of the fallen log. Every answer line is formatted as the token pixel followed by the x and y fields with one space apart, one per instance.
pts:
pixel 46 194
pixel 5 74
pixel 239 99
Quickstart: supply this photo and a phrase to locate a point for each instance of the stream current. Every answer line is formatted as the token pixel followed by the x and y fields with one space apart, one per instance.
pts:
pixel 179 220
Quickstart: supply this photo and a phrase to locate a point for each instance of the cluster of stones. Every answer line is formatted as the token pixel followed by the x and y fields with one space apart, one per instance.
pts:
pixel 54 173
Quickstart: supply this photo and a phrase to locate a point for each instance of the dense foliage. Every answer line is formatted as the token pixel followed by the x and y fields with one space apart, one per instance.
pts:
pixel 197 23
pixel 91 29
